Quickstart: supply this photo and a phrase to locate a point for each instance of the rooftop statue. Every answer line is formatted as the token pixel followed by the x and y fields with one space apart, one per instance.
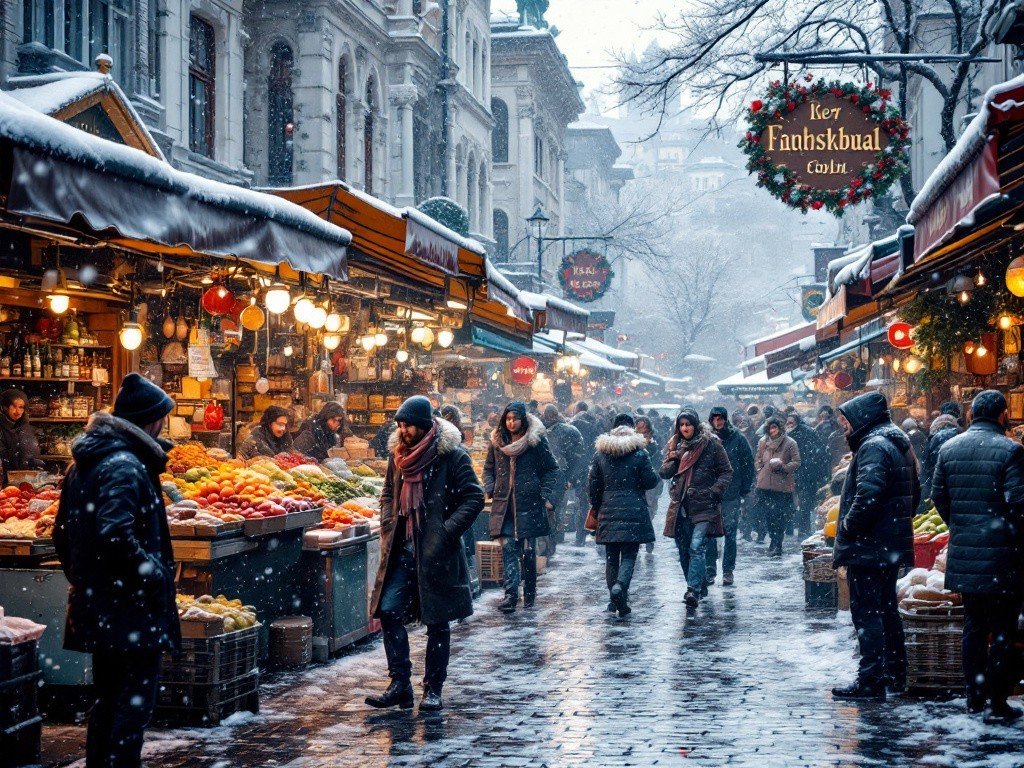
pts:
pixel 531 12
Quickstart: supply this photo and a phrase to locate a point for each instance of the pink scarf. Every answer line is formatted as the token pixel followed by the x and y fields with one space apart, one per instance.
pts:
pixel 411 465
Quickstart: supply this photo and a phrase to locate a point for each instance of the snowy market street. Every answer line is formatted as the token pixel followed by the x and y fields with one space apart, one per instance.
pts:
pixel 743 682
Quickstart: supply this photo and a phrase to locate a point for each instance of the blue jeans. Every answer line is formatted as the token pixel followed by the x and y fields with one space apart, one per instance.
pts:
pixel 691 540
pixel 519 560
pixel 399 590
pixel 731 518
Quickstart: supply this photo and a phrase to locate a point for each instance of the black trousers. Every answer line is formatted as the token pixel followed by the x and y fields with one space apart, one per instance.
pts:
pixel 873 607
pixel 776 508
pixel 619 562
pixel 582 507
pixel 126 686
pixel 989 668
pixel 397 595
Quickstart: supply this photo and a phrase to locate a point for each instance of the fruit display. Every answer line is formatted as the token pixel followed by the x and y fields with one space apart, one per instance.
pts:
pixel 26 513
pixel 337 517
pixel 189 456
pixel 289 460
pixel 926 588
pixel 211 609
pixel 929 526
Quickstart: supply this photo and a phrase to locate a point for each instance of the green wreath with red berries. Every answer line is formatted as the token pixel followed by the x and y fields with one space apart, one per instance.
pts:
pixel 600 262
pixel 874 179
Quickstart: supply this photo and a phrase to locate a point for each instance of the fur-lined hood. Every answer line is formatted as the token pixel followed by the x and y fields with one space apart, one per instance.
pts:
pixel 620 442
pixel 449 437
pixel 106 434
pixel 944 421
pixel 535 430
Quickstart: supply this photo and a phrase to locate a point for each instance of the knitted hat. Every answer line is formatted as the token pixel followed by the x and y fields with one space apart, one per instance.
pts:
pixel 989 404
pixel 718 411
pixel 416 411
pixel 623 420
pixel 140 401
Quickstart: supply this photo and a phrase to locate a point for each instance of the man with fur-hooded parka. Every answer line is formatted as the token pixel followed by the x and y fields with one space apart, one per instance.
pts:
pixel 619 479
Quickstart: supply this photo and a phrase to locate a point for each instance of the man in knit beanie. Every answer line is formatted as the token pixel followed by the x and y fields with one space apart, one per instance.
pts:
pixel 114 545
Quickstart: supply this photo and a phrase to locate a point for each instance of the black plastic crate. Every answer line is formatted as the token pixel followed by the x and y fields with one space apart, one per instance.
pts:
pixel 821 595
pixel 19 699
pixel 18 660
pixel 19 744
pixel 211 660
pixel 195 704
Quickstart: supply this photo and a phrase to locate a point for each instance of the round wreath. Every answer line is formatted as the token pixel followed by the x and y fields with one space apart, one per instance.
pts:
pixel 874 179
pixel 565 270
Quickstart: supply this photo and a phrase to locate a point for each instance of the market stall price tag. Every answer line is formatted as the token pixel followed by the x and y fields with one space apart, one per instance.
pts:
pixel 200 362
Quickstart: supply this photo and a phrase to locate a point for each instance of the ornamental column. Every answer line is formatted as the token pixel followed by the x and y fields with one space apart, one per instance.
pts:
pixel 404 96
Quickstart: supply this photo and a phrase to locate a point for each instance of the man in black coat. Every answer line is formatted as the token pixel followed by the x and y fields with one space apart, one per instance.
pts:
pixel 875 538
pixel 589 430
pixel 114 545
pixel 814 471
pixel 943 429
pixel 567 447
pixel 430 499
pixel 525 484
pixel 741 458
pixel 978 489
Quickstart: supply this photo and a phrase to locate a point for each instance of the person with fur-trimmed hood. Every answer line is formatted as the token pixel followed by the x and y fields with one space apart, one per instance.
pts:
pixel 522 478
pixel 943 429
pixel 698 468
pixel 619 479
pixel 776 462
pixel 430 499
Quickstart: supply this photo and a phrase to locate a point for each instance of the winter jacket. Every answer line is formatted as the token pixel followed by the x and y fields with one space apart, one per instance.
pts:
pixel 835 439
pixel 452 499
pixel 589 431
pixel 815 464
pixel 710 478
pixel 782 479
pixel 881 490
pixel 537 482
pixel 741 459
pixel 114 544
pixel 315 439
pixel 567 446
pixel 619 478
pixel 381 440
pixel 918 439
pixel 19 449
pixel 261 442
pixel 978 489
pixel 942 430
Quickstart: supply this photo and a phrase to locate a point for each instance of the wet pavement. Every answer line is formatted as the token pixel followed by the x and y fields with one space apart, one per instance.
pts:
pixel 742 681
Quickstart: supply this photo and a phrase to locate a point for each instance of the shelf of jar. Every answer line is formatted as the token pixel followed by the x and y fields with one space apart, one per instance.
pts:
pixel 55 457
pixel 59 419
pixel 52 380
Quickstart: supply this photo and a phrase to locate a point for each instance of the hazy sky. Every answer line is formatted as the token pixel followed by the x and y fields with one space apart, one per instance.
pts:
pixel 592 30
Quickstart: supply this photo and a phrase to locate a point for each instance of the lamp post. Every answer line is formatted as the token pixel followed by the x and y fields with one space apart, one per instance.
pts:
pixel 539 221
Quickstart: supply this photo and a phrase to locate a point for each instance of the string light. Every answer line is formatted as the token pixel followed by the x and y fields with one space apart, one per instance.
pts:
pixel 277 298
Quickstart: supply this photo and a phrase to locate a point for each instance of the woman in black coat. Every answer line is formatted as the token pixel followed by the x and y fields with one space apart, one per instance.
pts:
pixel 19 449
pixel 271 437
pixel 619 479
pixel 320 433
pixel 522 478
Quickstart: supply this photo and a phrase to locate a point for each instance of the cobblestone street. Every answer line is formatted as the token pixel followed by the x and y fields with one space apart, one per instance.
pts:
pixel 742 682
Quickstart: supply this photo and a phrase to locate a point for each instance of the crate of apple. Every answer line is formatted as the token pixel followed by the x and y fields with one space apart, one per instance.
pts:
pixel 15 503
pixel 248 494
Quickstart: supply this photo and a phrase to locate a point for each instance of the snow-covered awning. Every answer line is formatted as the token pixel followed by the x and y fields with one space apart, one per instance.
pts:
pixel 64 177
pixel 782 338
pixel 622 356
pixel 738 385
pixel 588 359
pixel 560 315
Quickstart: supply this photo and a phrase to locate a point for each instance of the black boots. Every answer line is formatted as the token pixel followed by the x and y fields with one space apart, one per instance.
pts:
pixel 431 701
pixel 1001 714
pixel 508 605
pixel 620 600
pixel 691 598
pixel 859 692
pixel 728 579
pixel 398 694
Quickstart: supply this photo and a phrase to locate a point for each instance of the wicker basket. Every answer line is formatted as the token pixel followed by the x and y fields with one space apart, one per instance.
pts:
pixel 820 569
pixel 934 641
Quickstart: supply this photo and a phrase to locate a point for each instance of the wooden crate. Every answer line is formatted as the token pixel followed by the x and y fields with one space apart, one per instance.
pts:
pixel 489 563
pixel 934 642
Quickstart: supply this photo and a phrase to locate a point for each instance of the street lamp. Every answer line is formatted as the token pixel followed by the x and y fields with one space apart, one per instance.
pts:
pixel 538 222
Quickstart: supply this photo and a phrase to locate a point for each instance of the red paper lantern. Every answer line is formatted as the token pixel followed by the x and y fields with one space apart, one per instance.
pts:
pixel 899 335
pixel 843 380
pixel 523 369
pixel 218 299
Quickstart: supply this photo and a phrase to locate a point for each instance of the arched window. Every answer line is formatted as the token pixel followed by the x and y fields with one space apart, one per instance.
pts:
pixel 368 137
pixel 500 222
pixel 342 124
pixel 475 85
pixel 499 136
pixel 280 115
pixel 201 77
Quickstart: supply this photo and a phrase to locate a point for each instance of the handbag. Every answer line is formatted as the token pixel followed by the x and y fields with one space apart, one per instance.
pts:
pixel 591 524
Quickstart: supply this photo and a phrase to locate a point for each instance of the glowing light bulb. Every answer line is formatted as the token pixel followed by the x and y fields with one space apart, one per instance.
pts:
pixel 428 337
pixel 964 297
pixel 368 342
pixel 289 350
pixel 331 341
pixel 59 303
pixel 381 338
pixel 981 351
pixel 277 298
pixel 1005 322
pixel 445 337
pixel 317 318
pixel 333 323
pixel 131 336
pixel 419 333
pixel 303 310
pixel 401 356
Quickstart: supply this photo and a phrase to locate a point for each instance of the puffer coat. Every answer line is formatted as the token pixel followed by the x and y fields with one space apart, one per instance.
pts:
pixel 710 478
pixel 881 490
pixel 978 489
pixel 114 544
pixel 19 448
pixel 619 479
pixel 567 446
pixel 315 439
pixel 452 499
pixel 741 459
pixel 537 482
pixel 942 430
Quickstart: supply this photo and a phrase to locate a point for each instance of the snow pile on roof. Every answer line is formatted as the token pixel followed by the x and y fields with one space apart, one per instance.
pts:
pixel 541 301
pixel 45 135
pixel 418 216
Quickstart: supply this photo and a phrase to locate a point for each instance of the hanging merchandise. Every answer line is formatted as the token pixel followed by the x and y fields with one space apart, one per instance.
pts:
pixel 218 299
pixel 213 416
pixel 252 317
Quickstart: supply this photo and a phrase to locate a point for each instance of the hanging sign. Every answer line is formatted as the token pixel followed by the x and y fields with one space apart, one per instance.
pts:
pixel 430 248
pixel 524 369
pixel 899 335
pixel 585 275
pixel 817 144
pixel 200 357
pixel 813 296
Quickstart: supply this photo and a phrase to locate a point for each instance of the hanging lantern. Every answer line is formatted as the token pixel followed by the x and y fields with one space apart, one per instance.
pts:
pixel 317 317
pixel 331 341
pixel 445 337
pixel 401 356
pixel 277 298
pixel 333 322
pixel 303 310
pixel 368 342
pixel 419 333
pixel 969 347
pixel 130 335
pixel 1015 276
pixel 252 317
pixel 218 299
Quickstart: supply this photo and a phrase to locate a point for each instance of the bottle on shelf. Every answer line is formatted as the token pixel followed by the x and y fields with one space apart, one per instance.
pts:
pixel 37 362
pixel 47 362
pixel 74 370
pixel 17 358
pixel 5 358
pixel 65 366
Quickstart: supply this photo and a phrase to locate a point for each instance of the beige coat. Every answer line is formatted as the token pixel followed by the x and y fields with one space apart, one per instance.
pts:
pixel 784 477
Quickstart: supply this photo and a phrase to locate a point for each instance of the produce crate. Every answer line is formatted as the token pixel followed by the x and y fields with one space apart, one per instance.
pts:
pixel 820 569
pixel 19 744
pixel 821 595
pixel 19 699
pixel 208 661
pixel 925 552
pixel 934 642
pixel 196 704
pixel 488 560
pixel 18 659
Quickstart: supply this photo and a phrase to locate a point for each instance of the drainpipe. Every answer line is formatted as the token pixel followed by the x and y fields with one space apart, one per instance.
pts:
pixel 443 86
